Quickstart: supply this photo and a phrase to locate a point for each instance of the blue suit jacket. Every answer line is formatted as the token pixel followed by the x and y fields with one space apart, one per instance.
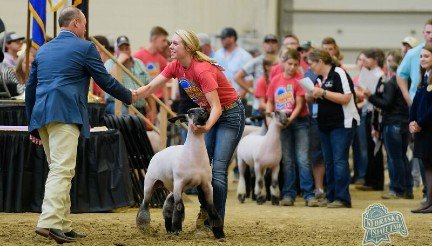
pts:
pixel 59 79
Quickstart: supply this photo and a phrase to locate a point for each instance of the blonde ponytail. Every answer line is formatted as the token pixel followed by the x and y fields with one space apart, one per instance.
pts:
pixel 191 41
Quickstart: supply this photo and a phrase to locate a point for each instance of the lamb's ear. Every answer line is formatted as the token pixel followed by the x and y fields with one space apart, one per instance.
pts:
pixel 180 117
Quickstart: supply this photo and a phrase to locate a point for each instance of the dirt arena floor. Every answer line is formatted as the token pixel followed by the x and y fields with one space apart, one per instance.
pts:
pixel 246 224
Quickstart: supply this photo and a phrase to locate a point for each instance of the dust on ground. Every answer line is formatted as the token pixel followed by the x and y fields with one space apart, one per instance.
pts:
pixel 245 224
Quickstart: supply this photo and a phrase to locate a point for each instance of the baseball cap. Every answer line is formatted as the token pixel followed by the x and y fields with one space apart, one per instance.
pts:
pixel 12 36
pixel 122 40
pixel 270 37
pixel 411 41
pixel 204 38
pixel 228 32
pixel 305 45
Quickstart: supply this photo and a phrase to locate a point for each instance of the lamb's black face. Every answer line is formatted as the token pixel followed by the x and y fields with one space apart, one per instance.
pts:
pixel 199 116
pixel 282 118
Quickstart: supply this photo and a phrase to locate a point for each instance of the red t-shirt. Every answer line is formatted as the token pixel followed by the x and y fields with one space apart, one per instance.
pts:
pixel 261 88
pixel 283 91
pixel 201 78
pixel 304 65
pixel 154 63
pixel 275 70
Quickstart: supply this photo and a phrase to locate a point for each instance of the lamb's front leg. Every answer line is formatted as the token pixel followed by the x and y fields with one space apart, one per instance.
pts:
pixel 179 209
pixel 274 188
pixel 168 209
pixel 259 184
pixel 214 218
pixel 143 216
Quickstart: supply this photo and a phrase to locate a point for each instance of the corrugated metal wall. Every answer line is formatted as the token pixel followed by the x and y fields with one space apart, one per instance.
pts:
pixel 354 24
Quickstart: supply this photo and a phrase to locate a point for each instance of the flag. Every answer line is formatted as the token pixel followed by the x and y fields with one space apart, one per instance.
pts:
pixel 38 10
pixel 56 4
pixel 76 2
pixel 82 5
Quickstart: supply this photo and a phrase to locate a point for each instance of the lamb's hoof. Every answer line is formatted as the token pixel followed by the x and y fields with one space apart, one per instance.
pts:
pixel 218 232
pixel 254 197
pixel 176 232
pixel 260 200
pixel 168 225
pixel 275 200
pixel 143 220
pixel 241 198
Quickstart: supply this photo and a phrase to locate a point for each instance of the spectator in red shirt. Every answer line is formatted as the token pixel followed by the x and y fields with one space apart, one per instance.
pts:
pixel 153 59
pixel 263 83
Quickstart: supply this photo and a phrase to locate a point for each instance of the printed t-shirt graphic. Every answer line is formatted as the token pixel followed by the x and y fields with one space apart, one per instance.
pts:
pixel 194 92
pixel 153 69
pixel 284 99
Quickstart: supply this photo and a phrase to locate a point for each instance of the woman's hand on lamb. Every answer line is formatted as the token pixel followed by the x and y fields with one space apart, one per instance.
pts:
pixel 199 128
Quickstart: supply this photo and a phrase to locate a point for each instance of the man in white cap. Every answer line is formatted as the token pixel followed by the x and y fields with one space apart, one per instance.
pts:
pixel 408 43
pixel 13 46
pixel 232 57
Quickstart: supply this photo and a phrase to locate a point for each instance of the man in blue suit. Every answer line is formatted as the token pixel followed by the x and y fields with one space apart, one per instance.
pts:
pixel 56 104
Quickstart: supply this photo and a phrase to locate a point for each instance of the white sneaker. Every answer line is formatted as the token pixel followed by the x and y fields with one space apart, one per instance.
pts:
pixel 319 194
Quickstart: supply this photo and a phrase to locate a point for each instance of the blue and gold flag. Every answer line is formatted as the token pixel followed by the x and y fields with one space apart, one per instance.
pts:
pixel 56 4
pixel 38 11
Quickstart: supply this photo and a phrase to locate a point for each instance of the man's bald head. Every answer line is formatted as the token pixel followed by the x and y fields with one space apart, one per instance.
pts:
pixel 73 20
pixel 69 14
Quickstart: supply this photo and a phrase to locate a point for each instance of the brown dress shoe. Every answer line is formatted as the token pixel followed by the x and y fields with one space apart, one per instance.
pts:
pixel 75 234
pixel 59 236
pixel 55 234
pixel 42 231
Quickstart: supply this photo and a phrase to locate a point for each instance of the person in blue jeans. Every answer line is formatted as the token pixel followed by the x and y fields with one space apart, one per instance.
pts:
pixel 389 99
pixel 203 81
pixel 285 94
pixel 337 120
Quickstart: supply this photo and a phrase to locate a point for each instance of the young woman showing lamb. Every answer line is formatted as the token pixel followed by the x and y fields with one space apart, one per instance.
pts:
pixel 177 168
pixel 207 86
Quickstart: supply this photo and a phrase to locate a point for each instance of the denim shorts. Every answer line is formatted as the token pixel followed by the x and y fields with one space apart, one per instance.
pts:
pixel 315 151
